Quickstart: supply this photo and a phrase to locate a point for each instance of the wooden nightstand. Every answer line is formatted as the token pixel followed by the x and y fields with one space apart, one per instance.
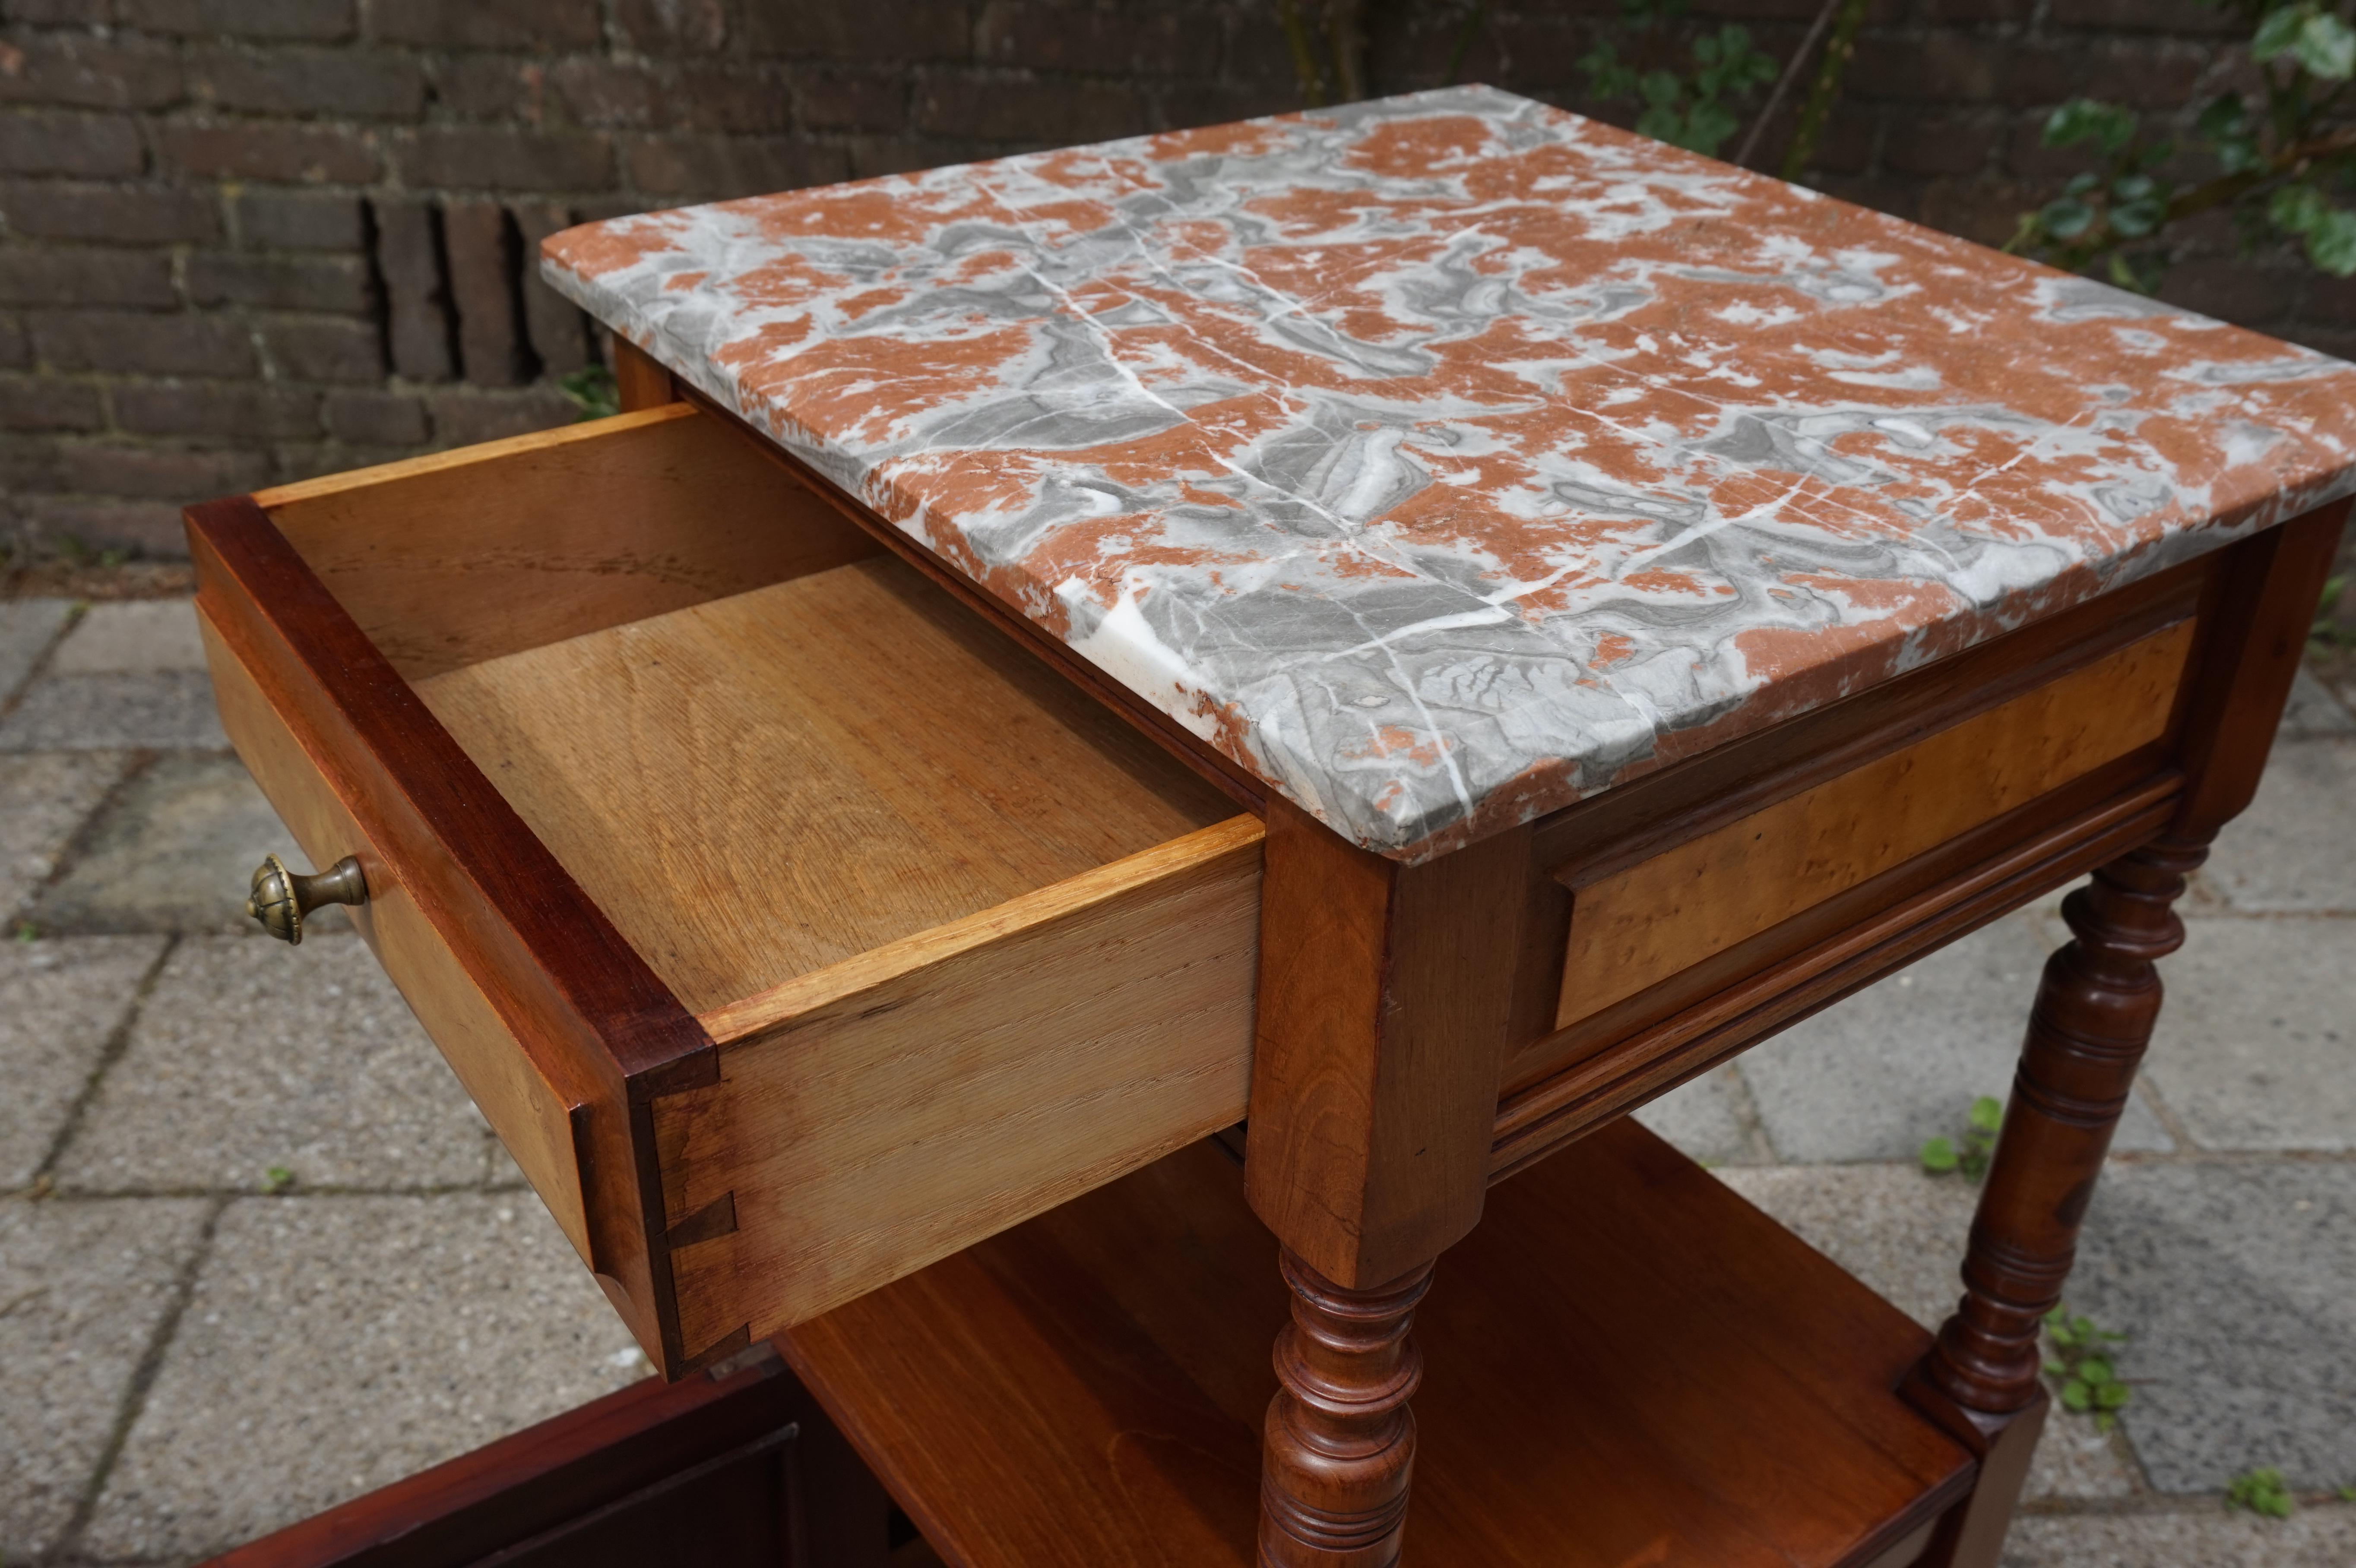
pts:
pixel 1417 629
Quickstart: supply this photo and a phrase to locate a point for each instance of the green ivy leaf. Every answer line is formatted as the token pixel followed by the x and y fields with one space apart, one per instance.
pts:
pixel 2077 1395
pixel 1988 1113
pixel 2112 1395
pixel 2279 30
pixel 2111 126
pixel 2325 47
pixel 2066 219
pixel 2095 1370
pixel 1939 1155
pixel 2133 219
pixel 2226 115
pixel 1707 126
pixel 1661 89
pixel 2331 241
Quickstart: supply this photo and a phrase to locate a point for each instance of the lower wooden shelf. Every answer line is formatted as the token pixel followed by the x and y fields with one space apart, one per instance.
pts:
pixel 1626 1364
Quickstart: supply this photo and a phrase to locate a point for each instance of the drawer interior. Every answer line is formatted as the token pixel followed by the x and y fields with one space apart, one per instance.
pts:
pixel 963 944
pixel 760 755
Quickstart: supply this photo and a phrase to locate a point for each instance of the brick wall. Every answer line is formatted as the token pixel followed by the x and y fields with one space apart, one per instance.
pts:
pixel 248 240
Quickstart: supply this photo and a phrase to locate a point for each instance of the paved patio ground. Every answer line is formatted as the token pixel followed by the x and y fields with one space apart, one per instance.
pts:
pixel 188 1360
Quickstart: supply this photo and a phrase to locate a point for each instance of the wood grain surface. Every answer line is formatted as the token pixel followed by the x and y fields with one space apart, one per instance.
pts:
pixel 1637 926
pixel 457 556
pixel 879 1114
pixel 771 783
pixel 1625 1363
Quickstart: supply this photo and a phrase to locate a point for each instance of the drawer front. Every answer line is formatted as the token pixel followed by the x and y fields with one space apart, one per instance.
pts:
pixel 1645 923
pixel 879 1114
pixel 531 1114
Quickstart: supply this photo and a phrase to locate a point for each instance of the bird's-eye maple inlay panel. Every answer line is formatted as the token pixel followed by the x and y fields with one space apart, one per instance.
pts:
pixel 1637 926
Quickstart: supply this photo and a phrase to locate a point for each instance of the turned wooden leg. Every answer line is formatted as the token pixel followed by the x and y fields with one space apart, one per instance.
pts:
pixel 2095 1008
pixel 1339 1448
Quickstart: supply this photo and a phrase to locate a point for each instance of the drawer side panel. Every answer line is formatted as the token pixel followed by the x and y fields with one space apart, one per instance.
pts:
pixel 1638 926
pixel 935 1091
pixel 531 1117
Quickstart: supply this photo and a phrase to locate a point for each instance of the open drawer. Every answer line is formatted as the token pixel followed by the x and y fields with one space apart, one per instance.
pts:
pixel 793 928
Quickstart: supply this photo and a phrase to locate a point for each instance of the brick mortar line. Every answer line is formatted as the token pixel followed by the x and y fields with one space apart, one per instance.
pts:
pixel 143 1381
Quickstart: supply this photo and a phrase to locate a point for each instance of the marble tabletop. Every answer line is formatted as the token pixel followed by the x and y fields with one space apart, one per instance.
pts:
pixel 1447 458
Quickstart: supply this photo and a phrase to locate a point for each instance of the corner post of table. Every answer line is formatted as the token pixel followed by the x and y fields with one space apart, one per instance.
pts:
pixel 640 380
pixel 1385 999
pixel 2096 1003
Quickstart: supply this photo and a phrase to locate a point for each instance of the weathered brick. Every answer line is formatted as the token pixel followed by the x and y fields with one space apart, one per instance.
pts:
pixel 416 294
pixel 142 343
pixel 1127 40
pixel 832 100
pixel 470 157
pixel 490 87
pixel 483 248
pixel 715 168
pixel 62 274
pixel 1939 143
pixel 1937 11
pixel 27 462
pixel 92 145
pixel 1958 70
pixel 1984 209
pixel 603 92
pixel 89 73
pixel 2233 289
pixel 216 411
pixel 667 27
pixel 873 155
pixel 61 13
pixel 147 530
pixel 369 417
pixel 876 29
pixel 540 25
pixel 159 472
pixel 465 416
pixel 324 348
pixel 707 98
pixel 50 402
pixel 264 150
pixel 2144 16
pixel 558 330
pixel 291 221
pixel 15 349
pixel 1030 111
pixel 125 215
pixel 315 20
pixel 2329 300
pixel 334 283
pixel 344 84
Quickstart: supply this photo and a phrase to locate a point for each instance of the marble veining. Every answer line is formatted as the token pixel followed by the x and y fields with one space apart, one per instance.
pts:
pixel 1447 458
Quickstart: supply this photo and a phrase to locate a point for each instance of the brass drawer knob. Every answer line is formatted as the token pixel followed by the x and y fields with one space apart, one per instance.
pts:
pixel 280 899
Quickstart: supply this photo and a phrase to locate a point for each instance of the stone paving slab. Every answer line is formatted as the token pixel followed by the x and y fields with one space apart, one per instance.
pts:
pixel 173 850
pixel 163 710
pixel 250 1054
pixel 1902 1233
pixel 2234 1281
pixel 1711 1119
pixel 27 627
pixel 2274 856
pixel 132 637
pixel 2256 1043
pixel 59 1001
pixel 44 799
pixel 2313 710
pixel 83 1287
pixel 1873 1076
pixel 334 1345
pixel 2313 1537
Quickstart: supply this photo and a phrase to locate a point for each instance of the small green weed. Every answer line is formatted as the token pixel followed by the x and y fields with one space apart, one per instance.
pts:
pixel 2346 1494
pixel 2262 1491
pixel 1968 1153
pixel 27 932
pixel 2090 1384
pixel 592 391
pixel 277 1180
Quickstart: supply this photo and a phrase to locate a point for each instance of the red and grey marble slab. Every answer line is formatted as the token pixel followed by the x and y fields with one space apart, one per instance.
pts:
pixel 1447 458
